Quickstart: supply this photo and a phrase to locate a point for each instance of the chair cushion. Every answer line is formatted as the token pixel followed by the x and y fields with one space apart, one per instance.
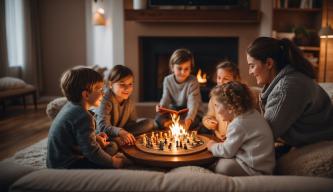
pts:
pixel 27 89
pixel 11 83
pixel 311 160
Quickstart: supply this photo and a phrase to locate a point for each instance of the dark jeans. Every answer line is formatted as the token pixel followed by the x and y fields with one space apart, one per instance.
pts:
pixel 141 125
pixel 84 164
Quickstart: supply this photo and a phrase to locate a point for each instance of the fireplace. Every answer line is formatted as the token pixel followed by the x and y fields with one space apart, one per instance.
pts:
pixel 154 54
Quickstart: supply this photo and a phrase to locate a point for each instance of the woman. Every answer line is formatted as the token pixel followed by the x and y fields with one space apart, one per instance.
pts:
pixel 297 109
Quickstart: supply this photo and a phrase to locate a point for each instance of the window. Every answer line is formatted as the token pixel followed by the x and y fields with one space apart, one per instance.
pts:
pixel 15 32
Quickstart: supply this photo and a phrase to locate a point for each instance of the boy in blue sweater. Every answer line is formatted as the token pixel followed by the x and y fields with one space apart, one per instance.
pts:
pixel 72 140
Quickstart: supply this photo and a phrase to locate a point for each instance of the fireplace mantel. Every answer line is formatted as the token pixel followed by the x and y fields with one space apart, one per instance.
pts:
pixel 220 16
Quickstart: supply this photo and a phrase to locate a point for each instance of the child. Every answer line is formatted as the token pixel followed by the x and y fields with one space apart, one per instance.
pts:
pixel 248 148
pixel 225 72
pixel 180 90
pixel 72 139
pixel 117 110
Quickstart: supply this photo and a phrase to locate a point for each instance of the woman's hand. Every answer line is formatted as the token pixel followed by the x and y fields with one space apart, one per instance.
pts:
pixel 101 139
pixel 127 137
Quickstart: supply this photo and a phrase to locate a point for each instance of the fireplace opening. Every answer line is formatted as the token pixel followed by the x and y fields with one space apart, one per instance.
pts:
pixel 154 54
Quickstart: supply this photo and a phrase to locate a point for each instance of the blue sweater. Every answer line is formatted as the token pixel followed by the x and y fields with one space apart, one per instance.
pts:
pixel 72 137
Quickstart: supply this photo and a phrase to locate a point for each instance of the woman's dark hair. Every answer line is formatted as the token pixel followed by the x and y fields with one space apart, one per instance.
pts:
pixel 283 52
pixel 235 95
pixel 119 72
pixel 231 67
pixel 180 56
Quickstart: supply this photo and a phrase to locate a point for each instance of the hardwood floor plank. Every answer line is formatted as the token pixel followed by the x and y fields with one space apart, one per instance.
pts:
pixel 21 128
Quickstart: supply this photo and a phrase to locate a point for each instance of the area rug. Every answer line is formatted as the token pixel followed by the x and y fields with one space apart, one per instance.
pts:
pixel 32 156
pixel 35 156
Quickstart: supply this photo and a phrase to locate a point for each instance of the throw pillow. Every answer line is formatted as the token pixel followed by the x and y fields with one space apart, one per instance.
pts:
pixel 311 160
pixel 11 83
pixel 54 107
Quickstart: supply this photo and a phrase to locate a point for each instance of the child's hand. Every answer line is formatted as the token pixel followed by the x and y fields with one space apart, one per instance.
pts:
pixel 188 123
pixel 101 140
pixel 127 137
pixel 211 123
pixel 117 162
pixel 157 108
pixel 210 144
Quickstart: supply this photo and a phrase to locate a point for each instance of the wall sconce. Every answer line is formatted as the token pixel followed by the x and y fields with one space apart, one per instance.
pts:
pixel 99 15
pixel 326 33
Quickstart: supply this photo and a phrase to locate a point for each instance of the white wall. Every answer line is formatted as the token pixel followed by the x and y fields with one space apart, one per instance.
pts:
pixel 107 41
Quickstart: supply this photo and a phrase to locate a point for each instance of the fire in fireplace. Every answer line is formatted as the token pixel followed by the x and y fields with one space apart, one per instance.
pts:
pixel 208 52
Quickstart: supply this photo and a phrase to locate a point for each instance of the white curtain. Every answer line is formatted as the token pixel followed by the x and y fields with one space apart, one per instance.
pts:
pixel 15 32
pixel 23 40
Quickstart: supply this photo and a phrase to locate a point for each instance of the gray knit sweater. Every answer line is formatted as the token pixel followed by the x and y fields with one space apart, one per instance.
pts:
pixel 182 94
pixel 250 141
pixel 111 116
pixel 298 110
pixel 72 137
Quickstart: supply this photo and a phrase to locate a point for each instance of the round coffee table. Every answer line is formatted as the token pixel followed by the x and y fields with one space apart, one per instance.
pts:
pixel 203 157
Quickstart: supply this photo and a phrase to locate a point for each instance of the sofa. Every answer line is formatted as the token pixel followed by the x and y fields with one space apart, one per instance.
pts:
pixel 309 168
pixel 18 178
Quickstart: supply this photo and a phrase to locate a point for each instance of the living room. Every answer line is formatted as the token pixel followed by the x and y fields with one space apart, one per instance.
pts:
pixel 141 34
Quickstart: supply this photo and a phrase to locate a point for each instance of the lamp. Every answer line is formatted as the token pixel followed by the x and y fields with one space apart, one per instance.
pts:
pixel 99 17
pixel 325 33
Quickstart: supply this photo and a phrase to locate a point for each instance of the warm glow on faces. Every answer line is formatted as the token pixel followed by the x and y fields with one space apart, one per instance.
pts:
pixel 95 96
pixel 182 71
pixel 123 88
pixel 223 111
pixel 261 71
pixel 223 76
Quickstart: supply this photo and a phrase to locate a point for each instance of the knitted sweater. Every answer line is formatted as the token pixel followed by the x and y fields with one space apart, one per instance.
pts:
pixel 250 141
pixel 298 110
pixel 182 94
pixel 111 115
pixel 72 137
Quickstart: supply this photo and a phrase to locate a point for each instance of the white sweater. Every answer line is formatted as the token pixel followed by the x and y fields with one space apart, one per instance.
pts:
pixel 249 140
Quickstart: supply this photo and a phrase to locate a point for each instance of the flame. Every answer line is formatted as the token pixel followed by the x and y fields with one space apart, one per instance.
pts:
pixel 177 129
pixel 203 78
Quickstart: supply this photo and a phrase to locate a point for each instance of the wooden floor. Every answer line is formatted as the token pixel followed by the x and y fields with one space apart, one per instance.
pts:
pixel 21 128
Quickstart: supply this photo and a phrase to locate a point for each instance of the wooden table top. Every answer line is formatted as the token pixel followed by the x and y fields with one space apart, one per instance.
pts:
pixel 200 158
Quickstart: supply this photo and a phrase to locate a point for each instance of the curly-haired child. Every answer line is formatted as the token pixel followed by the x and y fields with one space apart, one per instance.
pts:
pixel 249 147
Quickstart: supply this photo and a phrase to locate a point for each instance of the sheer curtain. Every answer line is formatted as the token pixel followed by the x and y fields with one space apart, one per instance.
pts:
pixel 22 36
pixel 15 32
